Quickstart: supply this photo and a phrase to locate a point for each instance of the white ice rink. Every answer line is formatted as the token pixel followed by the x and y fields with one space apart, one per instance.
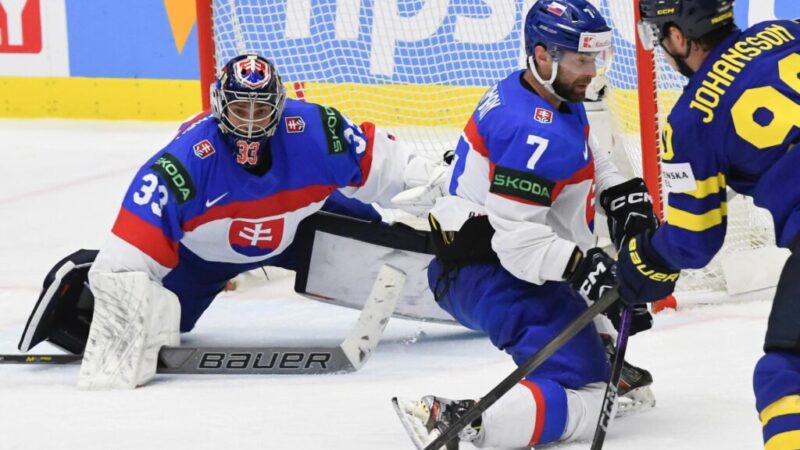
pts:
pixel 61 186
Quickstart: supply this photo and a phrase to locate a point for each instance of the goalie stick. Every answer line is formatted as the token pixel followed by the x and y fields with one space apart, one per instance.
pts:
pixel 349 356
pixel 607 299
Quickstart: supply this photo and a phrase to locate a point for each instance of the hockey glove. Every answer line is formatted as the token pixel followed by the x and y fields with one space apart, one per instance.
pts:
pixel 641 319
pixel 593 274
pixel 629 210
pixel 425 181
pixel 643 277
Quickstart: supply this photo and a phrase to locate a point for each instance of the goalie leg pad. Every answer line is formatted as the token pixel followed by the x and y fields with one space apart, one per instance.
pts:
pixel 134 317
pixel 63 311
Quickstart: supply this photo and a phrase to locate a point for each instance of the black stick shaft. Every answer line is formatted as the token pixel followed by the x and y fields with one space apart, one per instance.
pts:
pixel 613 384
pixel 522 371
pixel 40 359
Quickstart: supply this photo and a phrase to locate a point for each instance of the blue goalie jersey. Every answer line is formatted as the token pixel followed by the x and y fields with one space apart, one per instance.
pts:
pixel 193 217
pixel 734 126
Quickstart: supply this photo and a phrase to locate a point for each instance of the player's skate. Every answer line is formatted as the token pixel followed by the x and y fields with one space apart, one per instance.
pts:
pixel 634 386
pixel 425 419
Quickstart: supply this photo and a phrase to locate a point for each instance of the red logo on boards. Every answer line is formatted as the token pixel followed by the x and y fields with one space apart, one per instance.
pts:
pixel 20 26
pixel 255 237
pixel 295 124
pixel 203 149
pixel 543 115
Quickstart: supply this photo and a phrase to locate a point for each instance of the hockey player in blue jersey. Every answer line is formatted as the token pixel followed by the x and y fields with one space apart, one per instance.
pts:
pixel 225 196
pixel 515 248
pixel 735 126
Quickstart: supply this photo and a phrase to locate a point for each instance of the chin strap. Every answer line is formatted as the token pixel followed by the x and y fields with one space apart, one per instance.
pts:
pixel 549 83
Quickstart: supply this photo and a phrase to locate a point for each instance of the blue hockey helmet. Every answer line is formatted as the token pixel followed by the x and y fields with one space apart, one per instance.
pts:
pixel 571 25
pixel 248 97
pixel 695 18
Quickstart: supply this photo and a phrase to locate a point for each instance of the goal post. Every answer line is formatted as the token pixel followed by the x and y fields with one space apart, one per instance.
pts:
pixel 419 67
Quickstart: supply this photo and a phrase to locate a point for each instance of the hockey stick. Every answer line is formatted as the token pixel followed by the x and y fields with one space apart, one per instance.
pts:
pixel 522 371
pixel 349 356
pixel 607 410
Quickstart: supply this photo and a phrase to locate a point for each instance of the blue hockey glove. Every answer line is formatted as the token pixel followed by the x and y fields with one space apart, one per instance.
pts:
pixel 642 276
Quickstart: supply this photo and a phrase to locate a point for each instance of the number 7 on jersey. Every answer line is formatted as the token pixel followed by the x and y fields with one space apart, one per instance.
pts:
pixel 539 146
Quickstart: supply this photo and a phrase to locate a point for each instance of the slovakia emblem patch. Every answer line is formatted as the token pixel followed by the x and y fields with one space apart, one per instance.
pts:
pixel 557 8
pixel 295 124
pixel 255 237
pixel 203 149
pixel 543 115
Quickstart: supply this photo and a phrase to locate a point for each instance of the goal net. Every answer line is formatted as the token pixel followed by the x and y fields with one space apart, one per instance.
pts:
pixel 419 67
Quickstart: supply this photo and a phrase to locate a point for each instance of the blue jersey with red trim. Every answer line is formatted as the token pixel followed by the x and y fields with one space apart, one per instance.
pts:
pixel 192 203
pixel 529 167
pixel 734 126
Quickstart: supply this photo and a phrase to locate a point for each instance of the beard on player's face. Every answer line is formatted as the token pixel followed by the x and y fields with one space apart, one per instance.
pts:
pixel 571 87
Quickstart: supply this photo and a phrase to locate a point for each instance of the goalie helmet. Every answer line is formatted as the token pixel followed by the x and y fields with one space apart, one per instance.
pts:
pixel 248 98
pixel 695 18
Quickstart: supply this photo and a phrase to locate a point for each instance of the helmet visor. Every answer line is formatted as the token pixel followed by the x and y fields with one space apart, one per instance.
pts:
pixel 251 115
pixel 649 34
pixel 594 63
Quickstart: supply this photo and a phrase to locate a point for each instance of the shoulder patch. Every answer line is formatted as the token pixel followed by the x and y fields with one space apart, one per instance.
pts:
pixel 203 149
pixel 176 177
pixel 294 124
pixel 522 185
pixel 332 126
pixel 543 115
pixel 678 177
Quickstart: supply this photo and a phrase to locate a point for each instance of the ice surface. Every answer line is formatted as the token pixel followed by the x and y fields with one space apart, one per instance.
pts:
pixel 62 183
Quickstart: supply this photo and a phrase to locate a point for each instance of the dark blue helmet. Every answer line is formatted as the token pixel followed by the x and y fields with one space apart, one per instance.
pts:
pixel 248 97
pixel 695 18
pixel 559 25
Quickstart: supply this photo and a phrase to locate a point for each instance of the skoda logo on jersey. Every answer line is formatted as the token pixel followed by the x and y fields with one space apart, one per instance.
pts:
pixel 255 237
pixel 295 124
pixel 203 149
pixel 543 115
pixel 252 73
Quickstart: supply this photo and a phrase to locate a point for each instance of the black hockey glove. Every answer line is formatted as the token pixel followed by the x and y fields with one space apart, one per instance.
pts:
pixel 591 275
pixel 643 276
pixel 629 210
pixel 641 319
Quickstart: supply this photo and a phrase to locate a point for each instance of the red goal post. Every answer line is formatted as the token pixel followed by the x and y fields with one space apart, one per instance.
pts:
pixel 420 73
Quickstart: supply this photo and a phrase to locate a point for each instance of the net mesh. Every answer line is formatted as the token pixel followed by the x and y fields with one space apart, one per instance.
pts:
pixel 419 67
pixel 749 227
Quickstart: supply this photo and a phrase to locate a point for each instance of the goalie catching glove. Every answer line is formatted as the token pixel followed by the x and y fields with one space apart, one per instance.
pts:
pixel 629 210
pixel 426 181
pixel 643 276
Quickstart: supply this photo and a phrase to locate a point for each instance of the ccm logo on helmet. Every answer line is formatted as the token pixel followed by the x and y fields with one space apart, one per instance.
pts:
pixel 636 197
